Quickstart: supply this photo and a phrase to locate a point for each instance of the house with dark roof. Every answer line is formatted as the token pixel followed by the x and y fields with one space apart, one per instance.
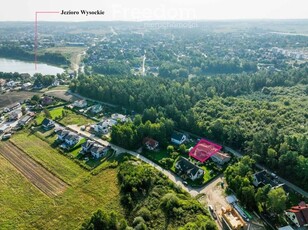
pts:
pixel 62 133
pixel 71 139
pixel 184 166
pixel 299 214
pixel 13 116
pixel 86 147
pixel 263 178
pixel 48 124
pixel 98 151
pixel 178 138
pixel 150 143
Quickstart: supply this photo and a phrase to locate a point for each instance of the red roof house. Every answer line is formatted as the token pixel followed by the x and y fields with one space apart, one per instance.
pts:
pixel 299 214
pixel 204 150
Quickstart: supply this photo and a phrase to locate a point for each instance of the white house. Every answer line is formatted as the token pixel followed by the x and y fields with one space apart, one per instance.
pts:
pixel 80 103
pixel 96 108
pixel 118 117
pixel 178 138
pixel 221 158
pixel 101 127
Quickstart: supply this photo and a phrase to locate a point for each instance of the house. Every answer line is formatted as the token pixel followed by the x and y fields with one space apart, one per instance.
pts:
pixel 260 178
pixel 48 124
pixel 5 128
pixel 288 227
pixel 101 127
pixel 11 107
pixel 71 139
pixel 118 117
pixel 96 108
pixel 98 151
pixel 13 116
pixel 55 83
pixel 299 214
pixel 62 133
pixel 178 138
pixel 150 143
pixel 26 86
pixel 80 103
pixel 85 147
pixel 11 84
pixel 47 100
pixel 184 166
pixel 2 82
pixel 24 120
pixel 263 178
pixel 221 158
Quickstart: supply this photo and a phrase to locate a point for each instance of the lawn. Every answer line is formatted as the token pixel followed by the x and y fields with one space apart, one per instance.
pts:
pixel 156 155
pixel 23 206
pixel 71 118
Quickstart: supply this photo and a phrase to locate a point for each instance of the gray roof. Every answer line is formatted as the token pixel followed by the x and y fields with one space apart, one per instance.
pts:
pixel 177 136
pixel 187 166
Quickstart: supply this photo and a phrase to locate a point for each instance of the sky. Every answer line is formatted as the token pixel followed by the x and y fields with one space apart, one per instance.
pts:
pixel 140 10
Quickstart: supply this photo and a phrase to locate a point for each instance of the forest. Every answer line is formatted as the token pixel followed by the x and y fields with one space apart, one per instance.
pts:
pixel 263 114
pixel 16 52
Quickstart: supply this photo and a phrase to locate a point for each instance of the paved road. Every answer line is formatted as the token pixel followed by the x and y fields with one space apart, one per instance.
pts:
pixel 176 179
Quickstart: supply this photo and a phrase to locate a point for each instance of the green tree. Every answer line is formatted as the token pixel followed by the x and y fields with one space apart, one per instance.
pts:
pixel 47 113
pixel 277 200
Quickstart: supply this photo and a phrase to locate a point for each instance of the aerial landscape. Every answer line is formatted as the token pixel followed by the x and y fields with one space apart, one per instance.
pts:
pixel 187 116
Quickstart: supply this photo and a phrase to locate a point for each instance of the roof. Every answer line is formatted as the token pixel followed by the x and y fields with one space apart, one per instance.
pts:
pixel 87 144
pixel 187 166
pixel 25 119
pixel 221 156
pixel 301 212
pixel 204 150
pixel 62 132
pixel 96 148
pixel 286 228
pixel 46 122
pixel 72 136
pixel 150 142
pixel 177 136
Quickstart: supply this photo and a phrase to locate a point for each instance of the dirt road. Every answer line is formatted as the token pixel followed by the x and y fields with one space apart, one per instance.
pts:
pixel 34 172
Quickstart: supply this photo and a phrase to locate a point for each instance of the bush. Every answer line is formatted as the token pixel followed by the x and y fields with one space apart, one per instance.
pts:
pixel 145 213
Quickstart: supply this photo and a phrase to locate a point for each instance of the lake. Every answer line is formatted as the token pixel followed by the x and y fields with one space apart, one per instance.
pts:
pixel 11 65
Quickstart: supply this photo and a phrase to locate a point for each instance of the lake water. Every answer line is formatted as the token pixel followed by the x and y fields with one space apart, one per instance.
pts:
pixel 10 65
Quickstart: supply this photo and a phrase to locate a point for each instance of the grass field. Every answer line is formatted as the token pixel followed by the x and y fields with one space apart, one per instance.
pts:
pixel 71 117
pixel 23 206
pixel 50 158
